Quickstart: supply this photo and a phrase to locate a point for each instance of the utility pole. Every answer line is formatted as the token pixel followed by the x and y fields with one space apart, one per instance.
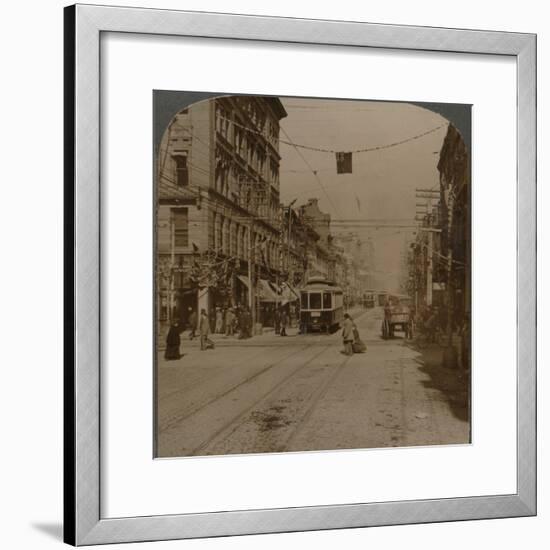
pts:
pixel 288 238
pixel 429 269
pixel 450 355
pixel 172 267
pixel 427 216
pixel 280 220
pixel 429 262
pixel 450 205
pixel 251 287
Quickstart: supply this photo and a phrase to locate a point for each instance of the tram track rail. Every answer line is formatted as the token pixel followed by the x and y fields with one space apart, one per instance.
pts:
pixel 236 421
pixel 182 417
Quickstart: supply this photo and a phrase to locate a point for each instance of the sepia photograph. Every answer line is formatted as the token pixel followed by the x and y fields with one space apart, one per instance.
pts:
pixel 312 274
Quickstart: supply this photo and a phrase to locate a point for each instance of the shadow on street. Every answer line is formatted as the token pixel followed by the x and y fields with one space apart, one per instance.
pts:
pixel 453 384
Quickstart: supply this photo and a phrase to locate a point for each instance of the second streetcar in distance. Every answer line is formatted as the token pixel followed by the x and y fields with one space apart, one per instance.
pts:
pixel 321 306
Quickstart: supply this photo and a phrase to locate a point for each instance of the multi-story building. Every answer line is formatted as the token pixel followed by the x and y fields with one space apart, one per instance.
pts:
pixel 323 257
pixel 218 213
pixel 454 178
pixel 439 263
pixel 426 281
pixel 299 250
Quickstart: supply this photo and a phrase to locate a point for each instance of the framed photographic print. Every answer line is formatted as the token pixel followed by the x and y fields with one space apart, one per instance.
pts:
pixel 300 275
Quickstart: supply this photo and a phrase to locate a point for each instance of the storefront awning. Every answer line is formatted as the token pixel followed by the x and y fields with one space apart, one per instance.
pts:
pixel 288 294
pixel 266 292
pixel 244 280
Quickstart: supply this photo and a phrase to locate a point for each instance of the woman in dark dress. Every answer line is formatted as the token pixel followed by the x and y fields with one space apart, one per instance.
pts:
pixel 173 342
pixel 358 345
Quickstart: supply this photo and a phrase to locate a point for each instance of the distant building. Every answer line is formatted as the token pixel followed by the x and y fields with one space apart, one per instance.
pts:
pixel 319 220
pixel 358 255
pixel 323 259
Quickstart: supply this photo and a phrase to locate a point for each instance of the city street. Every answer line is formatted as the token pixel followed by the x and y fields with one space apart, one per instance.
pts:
pixel 277 394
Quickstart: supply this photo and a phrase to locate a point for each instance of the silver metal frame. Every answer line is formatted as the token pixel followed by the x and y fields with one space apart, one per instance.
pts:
pixel 83 25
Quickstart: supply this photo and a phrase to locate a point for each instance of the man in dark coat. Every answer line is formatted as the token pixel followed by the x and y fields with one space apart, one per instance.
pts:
pixel 192 323
pixel 277 321
pixel 284 322
pixel 240 322
pixel 247 323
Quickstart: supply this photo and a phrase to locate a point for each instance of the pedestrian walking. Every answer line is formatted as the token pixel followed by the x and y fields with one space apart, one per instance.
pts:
pixel 204 331
pixel 247 322
pixel 277 321
pixel 347 335
pixel 173 342
pixel 229 322
pixel 192 323
pixel 240 321
pixel 219 321
pixel 224 320
pixel 284 322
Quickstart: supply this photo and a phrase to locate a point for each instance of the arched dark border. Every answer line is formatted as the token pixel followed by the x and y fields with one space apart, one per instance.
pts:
pixel 167 103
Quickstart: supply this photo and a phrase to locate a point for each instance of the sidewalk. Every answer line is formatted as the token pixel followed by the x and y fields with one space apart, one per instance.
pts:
pixel 267 338
pixel 453 384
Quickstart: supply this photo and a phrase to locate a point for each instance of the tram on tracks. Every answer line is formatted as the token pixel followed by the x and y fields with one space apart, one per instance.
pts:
pixel 321 306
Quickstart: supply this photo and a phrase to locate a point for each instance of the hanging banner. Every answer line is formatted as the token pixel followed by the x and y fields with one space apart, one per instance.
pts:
pixel 343 163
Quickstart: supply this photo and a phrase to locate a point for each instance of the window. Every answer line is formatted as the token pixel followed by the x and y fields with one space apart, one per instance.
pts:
pixel 215 230
pixel 315 300
pixel 220 233
pixel 304 303
pixel 180 220
pixel 182 172
pixel 327 300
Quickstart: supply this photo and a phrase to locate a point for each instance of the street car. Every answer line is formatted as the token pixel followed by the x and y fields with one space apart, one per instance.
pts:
pixel 368 300
pixel 321 306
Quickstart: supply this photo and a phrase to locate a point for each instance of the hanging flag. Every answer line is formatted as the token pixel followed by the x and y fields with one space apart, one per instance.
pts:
pixel 343 163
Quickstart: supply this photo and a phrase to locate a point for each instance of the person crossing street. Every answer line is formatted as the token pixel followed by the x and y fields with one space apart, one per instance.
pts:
pixel 347 335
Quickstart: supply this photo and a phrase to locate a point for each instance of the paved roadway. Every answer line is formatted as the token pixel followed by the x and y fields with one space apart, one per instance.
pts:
pixel 276 394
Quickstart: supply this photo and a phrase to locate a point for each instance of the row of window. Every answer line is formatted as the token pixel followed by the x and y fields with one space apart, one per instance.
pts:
pixel 316 300
pixel 231 238
pixel 240 135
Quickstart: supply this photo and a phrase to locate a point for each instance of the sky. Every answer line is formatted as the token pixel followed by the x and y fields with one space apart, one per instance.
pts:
pixel 382 184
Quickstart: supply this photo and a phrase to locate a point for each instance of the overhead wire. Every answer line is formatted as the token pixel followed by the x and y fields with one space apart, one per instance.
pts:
pixel 314 172
pixel 289 141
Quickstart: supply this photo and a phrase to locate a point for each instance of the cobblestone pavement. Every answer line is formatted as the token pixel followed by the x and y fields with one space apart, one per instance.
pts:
pixel 274 394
